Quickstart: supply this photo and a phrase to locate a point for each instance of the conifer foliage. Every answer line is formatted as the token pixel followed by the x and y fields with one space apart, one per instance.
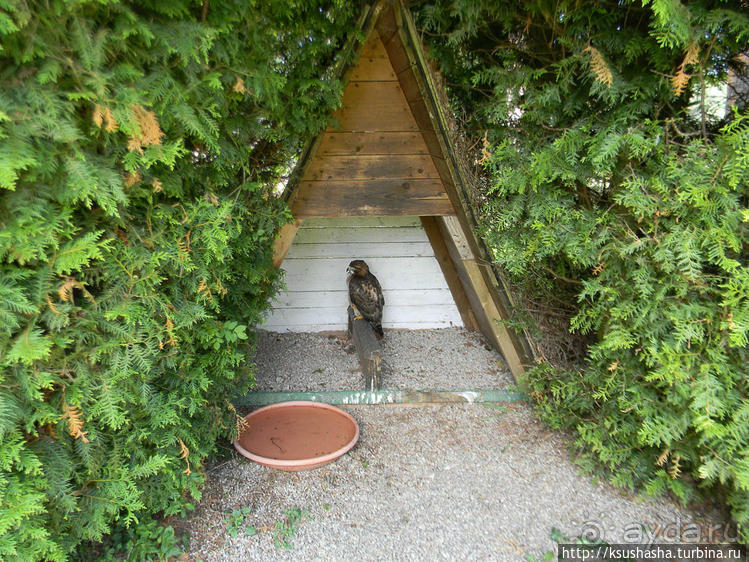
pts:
pixel 140 143
pixel 616 193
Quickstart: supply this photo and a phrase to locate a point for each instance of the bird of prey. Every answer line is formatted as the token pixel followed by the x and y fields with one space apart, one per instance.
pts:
pixel 365 294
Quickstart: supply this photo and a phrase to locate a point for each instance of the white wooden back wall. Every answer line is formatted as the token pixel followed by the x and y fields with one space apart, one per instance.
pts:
pixel 399 255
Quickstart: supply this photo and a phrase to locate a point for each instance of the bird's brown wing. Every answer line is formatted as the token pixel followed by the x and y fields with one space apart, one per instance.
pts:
pixel 365 293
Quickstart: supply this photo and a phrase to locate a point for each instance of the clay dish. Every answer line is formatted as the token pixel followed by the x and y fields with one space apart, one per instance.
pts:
pixel 297 435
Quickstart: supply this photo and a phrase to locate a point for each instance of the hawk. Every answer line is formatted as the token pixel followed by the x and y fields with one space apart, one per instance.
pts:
pixel 365 295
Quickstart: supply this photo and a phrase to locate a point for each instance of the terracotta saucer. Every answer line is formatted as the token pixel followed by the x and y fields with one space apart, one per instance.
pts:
pixel 297 435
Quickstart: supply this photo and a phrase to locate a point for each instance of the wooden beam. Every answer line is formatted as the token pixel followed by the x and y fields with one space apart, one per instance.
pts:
pixel 371 167
pixel 383 197
pixel 368 397
pixel 370 143
pixel 283 242
pixel 450 272
pixel 501 334
pixel 489 317
pixel 409 62
pixel 368 350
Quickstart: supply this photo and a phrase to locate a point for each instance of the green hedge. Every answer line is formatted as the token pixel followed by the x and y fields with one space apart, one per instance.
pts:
pixel 140 145
pixel 615 190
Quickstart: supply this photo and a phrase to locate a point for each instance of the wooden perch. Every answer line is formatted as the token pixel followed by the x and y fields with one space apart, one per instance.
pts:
pixel 368 349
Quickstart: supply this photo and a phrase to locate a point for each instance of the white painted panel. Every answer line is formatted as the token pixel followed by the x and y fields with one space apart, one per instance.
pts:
pixel 330 274
pixel 332 299
pixel 362 222
pixel 352 234
pixel 361 250
pixel 338 328
pixel 393 314
pixel 398 253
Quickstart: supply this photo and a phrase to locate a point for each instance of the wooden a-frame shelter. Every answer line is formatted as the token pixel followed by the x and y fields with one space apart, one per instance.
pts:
pixel 389 153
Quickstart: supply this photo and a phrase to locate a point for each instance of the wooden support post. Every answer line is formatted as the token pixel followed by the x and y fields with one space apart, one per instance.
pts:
pixel 368 349
pixel 450 272
pixel 283 242
pixel 487 314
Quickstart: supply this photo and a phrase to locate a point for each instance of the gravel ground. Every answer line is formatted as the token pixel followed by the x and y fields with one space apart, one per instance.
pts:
pixel 447 359
pixel 462 482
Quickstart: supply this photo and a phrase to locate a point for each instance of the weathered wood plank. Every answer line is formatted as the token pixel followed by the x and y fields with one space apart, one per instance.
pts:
pixel 283 242
pixel 361 250
pixel 374 106
pixel 394 197
pixel 388 143
pixel 340 328
pixel 368 349
pixel 393 273
pixel 409 86
pixel 387 28
pixel 359 229
pixel 516 349
pixel 373 69
pixel 422 116
pixel 453 229
pixel 383 396
pixel 450 272
pixel 502 336
pixel 446 314
pixel 395 298
pixel 371 167
pixel 435 148
pixel 373 46
pixel 488 315
pixel 362 222
pixel 373 63
pixel 481 315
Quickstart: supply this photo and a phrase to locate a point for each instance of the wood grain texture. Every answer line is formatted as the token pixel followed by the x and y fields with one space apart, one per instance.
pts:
pixel 363 223
pixel 382 197
pixel 444 315
pixel 369 143
pixel 387 28
pixel 364 250
pixel 283 242
pixel 371 167
pixel 347 231
pixel 374 63
pixel 367 349
pixel 454 231
pixel 441 253
pixel 395 298
pixel 410 86
pixel 374 106
pixel 460 260
pixel 373 69
pixel 501 335
pixel 373 47
pixel 393 272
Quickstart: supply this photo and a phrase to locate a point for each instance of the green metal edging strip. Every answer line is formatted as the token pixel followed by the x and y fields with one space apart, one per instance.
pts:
pixel 357 397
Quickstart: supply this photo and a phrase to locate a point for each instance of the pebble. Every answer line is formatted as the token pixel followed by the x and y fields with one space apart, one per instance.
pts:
pixel 450 482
